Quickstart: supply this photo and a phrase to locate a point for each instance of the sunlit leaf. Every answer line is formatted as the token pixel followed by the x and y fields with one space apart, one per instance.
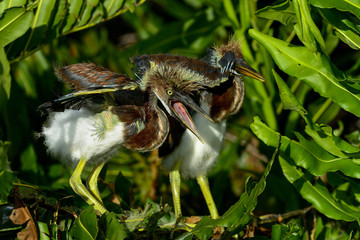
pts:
pixel 73 14
pixel 314 69
pixel 306 153
pixel 114 229
pixel 87 12
pixel 85 226
pixel 308 27
pixel 317 194
pixel 348 5
pixel 14 23
pixel 345 28
pixel 40 23
pixel 238 215
pixel 112 6
pixel 283 12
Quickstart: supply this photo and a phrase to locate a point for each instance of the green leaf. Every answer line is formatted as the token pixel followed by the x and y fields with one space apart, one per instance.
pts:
pixel 136 217
pixel 74 11
pixel 114 229
pixel 5 79
pixel 288 99
pixel 14 23
pixel 7 178
pixel 87 12
pixel 85 226
pixel 283 12
pixel 344 26
pixel 317 194
pixel 314 69
pixel 112 6
pixel 238 215
pixel 288 231
pixel 40 23
pixel 308 27
pixel 306 154
pixel 325 138
pixel 347 5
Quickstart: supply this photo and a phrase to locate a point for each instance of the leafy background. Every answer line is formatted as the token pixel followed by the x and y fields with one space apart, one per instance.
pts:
pixel 302 123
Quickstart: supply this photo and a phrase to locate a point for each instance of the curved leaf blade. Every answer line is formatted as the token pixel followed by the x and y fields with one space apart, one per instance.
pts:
pixel 314 69
pixel 85 226
pixel 317 194
pixel 14 23
pixel 345 28
pixel 40 23
pixel 347 5
pixel 306 154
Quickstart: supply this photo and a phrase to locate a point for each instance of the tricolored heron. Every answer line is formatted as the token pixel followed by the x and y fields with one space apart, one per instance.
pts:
pixel 109 110
pixel 221 97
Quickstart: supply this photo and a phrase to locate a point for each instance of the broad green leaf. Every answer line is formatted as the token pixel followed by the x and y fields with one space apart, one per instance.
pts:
pixel 74 11
pixel 87 12
pixel 6 4
pixel 347 5
pixel 14 23
pixel 283 12
pixel 344 27
pixel 306 154
pixel 43 231
pixel 40 23
pixel 325 138
pixel 7 177
pixel 114 229
pixel 112 6
pixel 305 28
pixel 317 194
pixel 238 215
pixel 314 69
pixel 5 79
pixel 85 226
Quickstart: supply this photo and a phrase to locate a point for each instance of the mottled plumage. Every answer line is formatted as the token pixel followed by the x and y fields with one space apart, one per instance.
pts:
pixel 221 95
pixel 106 111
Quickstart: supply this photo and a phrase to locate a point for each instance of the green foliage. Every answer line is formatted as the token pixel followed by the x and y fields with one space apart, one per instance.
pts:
pixel 306 50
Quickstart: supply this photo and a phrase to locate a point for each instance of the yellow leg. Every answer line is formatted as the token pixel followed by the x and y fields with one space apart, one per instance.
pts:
pixel 204 185
pixel 80 189
pixel 175 189
pixel 92 181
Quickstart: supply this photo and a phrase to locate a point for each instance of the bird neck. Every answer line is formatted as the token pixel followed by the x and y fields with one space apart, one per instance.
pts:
pixel 227 99
pixel 155 131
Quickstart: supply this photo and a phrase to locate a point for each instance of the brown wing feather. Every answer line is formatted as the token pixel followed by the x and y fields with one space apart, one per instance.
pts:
pixel 85 76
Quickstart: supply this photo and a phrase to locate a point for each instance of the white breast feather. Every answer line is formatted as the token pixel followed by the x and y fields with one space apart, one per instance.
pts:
pixel 71 135
pixel 196 157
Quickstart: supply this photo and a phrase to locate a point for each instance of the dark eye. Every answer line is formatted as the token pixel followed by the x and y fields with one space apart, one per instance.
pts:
pixel 169 92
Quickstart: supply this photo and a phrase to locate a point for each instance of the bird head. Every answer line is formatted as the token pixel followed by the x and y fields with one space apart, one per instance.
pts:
pixel 175 92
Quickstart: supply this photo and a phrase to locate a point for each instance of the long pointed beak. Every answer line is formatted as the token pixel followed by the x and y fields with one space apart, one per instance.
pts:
pixel 183 115
pixel 241 67
pixel 176 103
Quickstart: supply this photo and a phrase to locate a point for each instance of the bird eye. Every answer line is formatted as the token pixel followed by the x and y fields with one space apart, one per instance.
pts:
pixel 169 92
